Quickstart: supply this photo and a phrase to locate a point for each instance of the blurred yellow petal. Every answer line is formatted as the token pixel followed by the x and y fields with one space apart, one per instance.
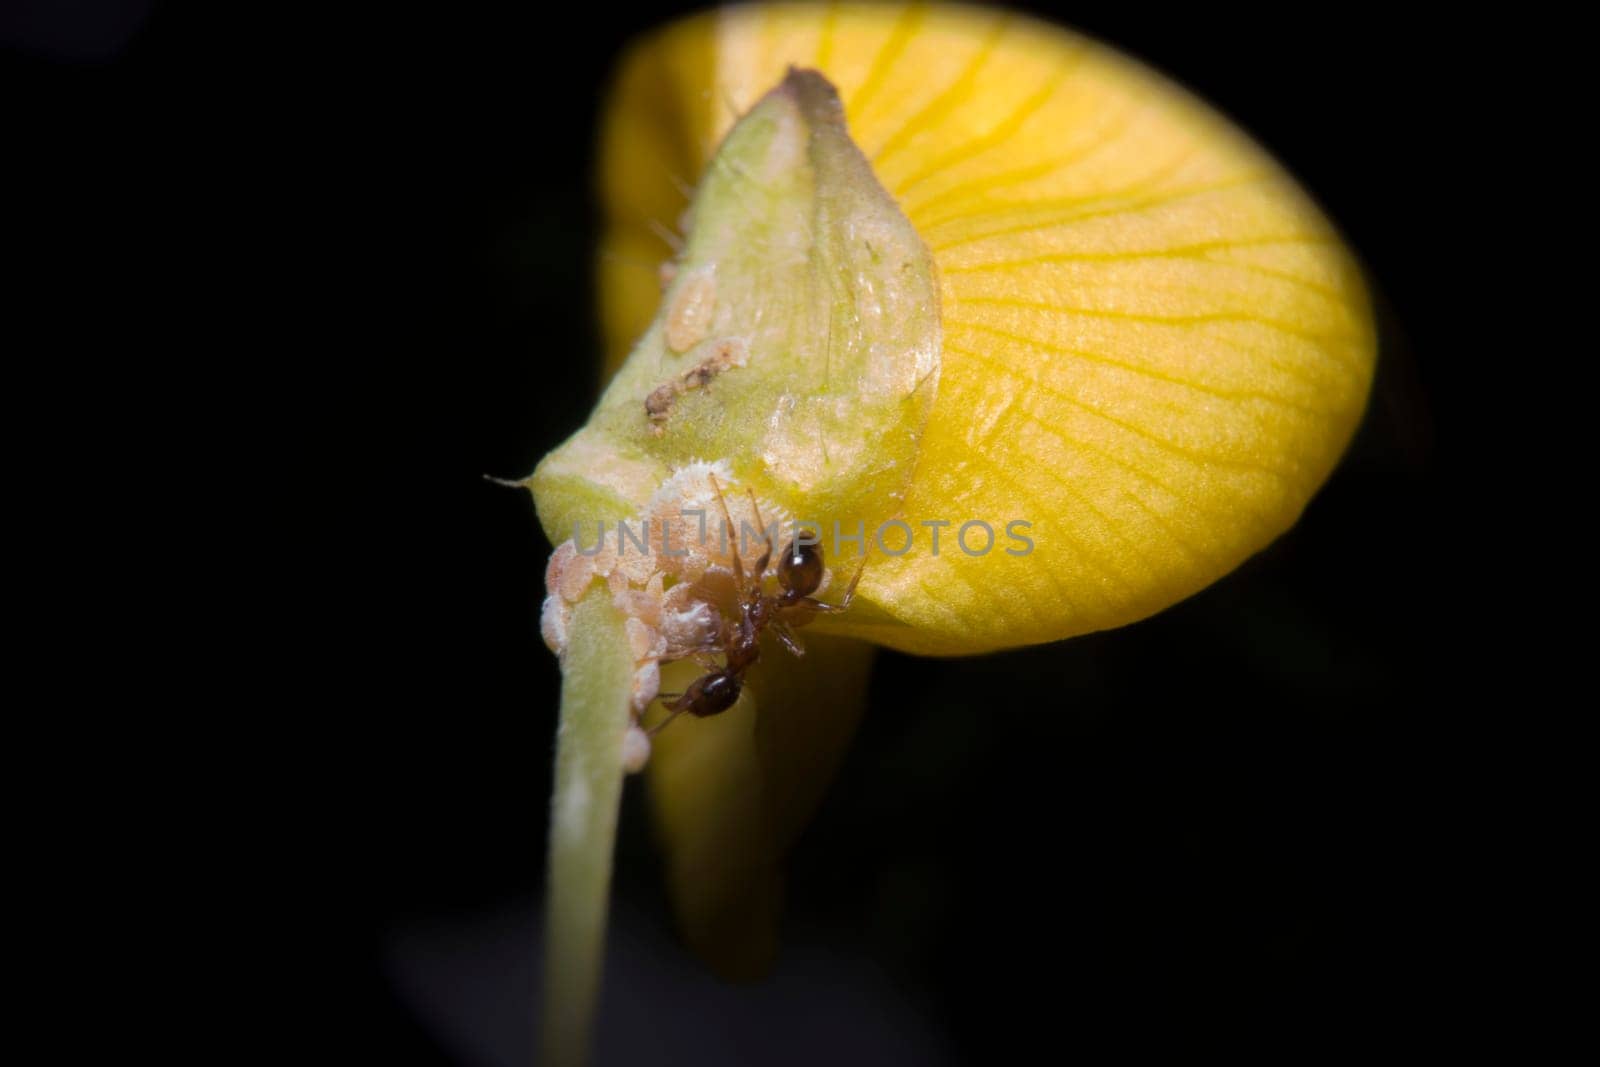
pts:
pixel 731 793
pixel 1155 347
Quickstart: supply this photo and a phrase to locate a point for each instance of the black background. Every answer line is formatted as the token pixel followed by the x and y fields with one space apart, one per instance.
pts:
pixel 1218 827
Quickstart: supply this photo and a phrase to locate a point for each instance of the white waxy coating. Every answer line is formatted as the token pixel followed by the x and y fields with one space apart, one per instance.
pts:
pixel 641 638
pixel 558 563
pixel 575 577
pixel 646 684
pixel 553 619
pixel 686 622
pixel 635 750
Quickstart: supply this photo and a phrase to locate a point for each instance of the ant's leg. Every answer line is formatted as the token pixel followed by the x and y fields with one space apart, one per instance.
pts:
pixel 675 703
pixel 662 725
pixel 850 590
pixel 787 636
pixel 849 595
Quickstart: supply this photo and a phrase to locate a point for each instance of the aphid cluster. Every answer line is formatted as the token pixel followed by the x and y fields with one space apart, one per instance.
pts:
pixel 800 572
pixel 692 596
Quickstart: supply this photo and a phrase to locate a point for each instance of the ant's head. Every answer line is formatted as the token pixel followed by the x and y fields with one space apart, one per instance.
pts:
pixel 800 568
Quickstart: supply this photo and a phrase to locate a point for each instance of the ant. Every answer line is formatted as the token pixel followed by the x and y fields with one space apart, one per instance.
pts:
pixel 799 574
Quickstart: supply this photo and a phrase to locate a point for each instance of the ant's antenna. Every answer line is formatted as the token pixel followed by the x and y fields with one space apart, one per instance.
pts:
pixel 756 509
pixel 766 535
pixel 738 564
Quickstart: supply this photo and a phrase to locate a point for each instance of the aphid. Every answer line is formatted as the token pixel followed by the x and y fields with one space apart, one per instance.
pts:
pixel 800 570
pixel 693 307
pixel 726 354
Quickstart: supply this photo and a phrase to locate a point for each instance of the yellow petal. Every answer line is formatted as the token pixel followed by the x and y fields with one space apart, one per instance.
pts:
pixel 1155 347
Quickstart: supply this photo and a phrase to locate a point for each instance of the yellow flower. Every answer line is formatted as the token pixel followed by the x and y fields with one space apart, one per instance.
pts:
pixel 1154 342
pixel 1151 348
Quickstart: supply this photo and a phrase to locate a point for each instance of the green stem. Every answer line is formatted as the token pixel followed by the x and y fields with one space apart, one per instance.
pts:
pixel 596 681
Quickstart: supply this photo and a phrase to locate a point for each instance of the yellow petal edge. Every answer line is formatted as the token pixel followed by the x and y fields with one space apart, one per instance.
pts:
pixel 1155 346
